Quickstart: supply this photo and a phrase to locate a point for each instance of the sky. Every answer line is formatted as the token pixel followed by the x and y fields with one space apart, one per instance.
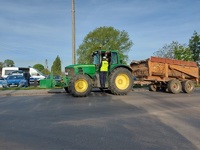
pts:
pixel 33 31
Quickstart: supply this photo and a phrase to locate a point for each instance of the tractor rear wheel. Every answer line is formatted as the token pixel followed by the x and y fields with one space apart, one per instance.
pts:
pixel 120 81
pixel 188 86
pixel 80 85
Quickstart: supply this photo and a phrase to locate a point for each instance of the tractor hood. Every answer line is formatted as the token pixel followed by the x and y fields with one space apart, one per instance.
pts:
pixel 80 69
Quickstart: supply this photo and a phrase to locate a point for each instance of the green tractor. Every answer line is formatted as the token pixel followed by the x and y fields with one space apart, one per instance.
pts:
pixel 80 79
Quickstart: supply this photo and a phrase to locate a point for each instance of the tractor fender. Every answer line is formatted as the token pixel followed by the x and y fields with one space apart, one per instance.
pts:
pixel 121 66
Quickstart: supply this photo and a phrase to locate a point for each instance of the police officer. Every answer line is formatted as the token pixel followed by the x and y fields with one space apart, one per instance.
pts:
pixel 27 78
pixel 103 72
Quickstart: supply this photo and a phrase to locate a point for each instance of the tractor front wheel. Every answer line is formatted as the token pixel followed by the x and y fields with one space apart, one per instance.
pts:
pixel 80 85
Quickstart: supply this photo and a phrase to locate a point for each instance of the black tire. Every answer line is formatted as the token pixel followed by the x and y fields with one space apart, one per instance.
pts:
pixel 66 89
pixel 80 85
pixel 188 86
pixel 120 81
pixel 174 86
pixel 153 87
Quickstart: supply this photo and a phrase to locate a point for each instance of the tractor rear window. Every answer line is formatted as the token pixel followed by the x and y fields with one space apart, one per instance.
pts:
pixel 114 58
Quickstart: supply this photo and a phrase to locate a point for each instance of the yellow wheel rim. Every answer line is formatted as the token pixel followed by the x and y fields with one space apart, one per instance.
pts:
pixel 122 81
pixel 81 85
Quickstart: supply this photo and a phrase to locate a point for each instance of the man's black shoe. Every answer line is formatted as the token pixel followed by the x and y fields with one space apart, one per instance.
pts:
pixel 101 89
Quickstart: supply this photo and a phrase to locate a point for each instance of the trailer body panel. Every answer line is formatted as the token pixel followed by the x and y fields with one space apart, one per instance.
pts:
pixel 164 69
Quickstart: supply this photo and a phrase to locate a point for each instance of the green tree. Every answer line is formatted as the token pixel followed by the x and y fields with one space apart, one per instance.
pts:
pixel 183 53
pixel 56 67
pixel 194 45
pixel 46 72
pixel 9 63
pixel 106 38
pixel 39 67
pixel 167 51
pixel 175 50
pixel 1 65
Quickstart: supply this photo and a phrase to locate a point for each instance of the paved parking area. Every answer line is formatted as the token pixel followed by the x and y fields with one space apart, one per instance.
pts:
pixel 139 120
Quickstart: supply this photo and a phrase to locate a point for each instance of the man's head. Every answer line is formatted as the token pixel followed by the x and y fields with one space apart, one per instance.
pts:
pixel 104 57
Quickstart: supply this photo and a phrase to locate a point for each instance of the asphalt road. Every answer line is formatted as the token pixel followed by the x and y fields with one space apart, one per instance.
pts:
pixel 140 120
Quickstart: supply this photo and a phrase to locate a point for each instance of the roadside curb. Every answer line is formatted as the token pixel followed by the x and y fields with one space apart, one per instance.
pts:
pixel 30 92
pixel 57 91
pixel 45 92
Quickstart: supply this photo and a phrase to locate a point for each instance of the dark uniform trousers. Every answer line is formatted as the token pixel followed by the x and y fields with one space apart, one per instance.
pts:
pixel 103 78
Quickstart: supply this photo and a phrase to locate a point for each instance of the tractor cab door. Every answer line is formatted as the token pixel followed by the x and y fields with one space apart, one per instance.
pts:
pixel 113 61
pixel 96 61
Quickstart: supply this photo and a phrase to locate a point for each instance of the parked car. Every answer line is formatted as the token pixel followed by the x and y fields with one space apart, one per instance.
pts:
pixel 34 73
pixel 17 72
pixel 16 80
pixel 3 82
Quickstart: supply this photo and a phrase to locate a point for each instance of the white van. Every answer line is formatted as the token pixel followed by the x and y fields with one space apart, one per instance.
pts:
pixel 34 73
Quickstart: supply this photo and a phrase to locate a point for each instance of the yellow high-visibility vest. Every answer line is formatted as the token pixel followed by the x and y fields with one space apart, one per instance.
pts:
pixel 104 66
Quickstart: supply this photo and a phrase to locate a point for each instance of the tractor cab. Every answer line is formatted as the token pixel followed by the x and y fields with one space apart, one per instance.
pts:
pixel 112 57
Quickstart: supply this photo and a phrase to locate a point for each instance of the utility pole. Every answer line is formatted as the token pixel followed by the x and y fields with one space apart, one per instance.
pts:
pixel 46 64
pixel 73 34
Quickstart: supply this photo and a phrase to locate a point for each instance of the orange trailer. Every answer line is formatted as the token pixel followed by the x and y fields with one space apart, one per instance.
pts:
pixel 168 74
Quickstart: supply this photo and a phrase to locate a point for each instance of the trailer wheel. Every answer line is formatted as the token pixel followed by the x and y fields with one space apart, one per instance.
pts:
pixel 120 81
pixel 174 86
pixel 153 87
pixel 80 85
pixel 188 86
